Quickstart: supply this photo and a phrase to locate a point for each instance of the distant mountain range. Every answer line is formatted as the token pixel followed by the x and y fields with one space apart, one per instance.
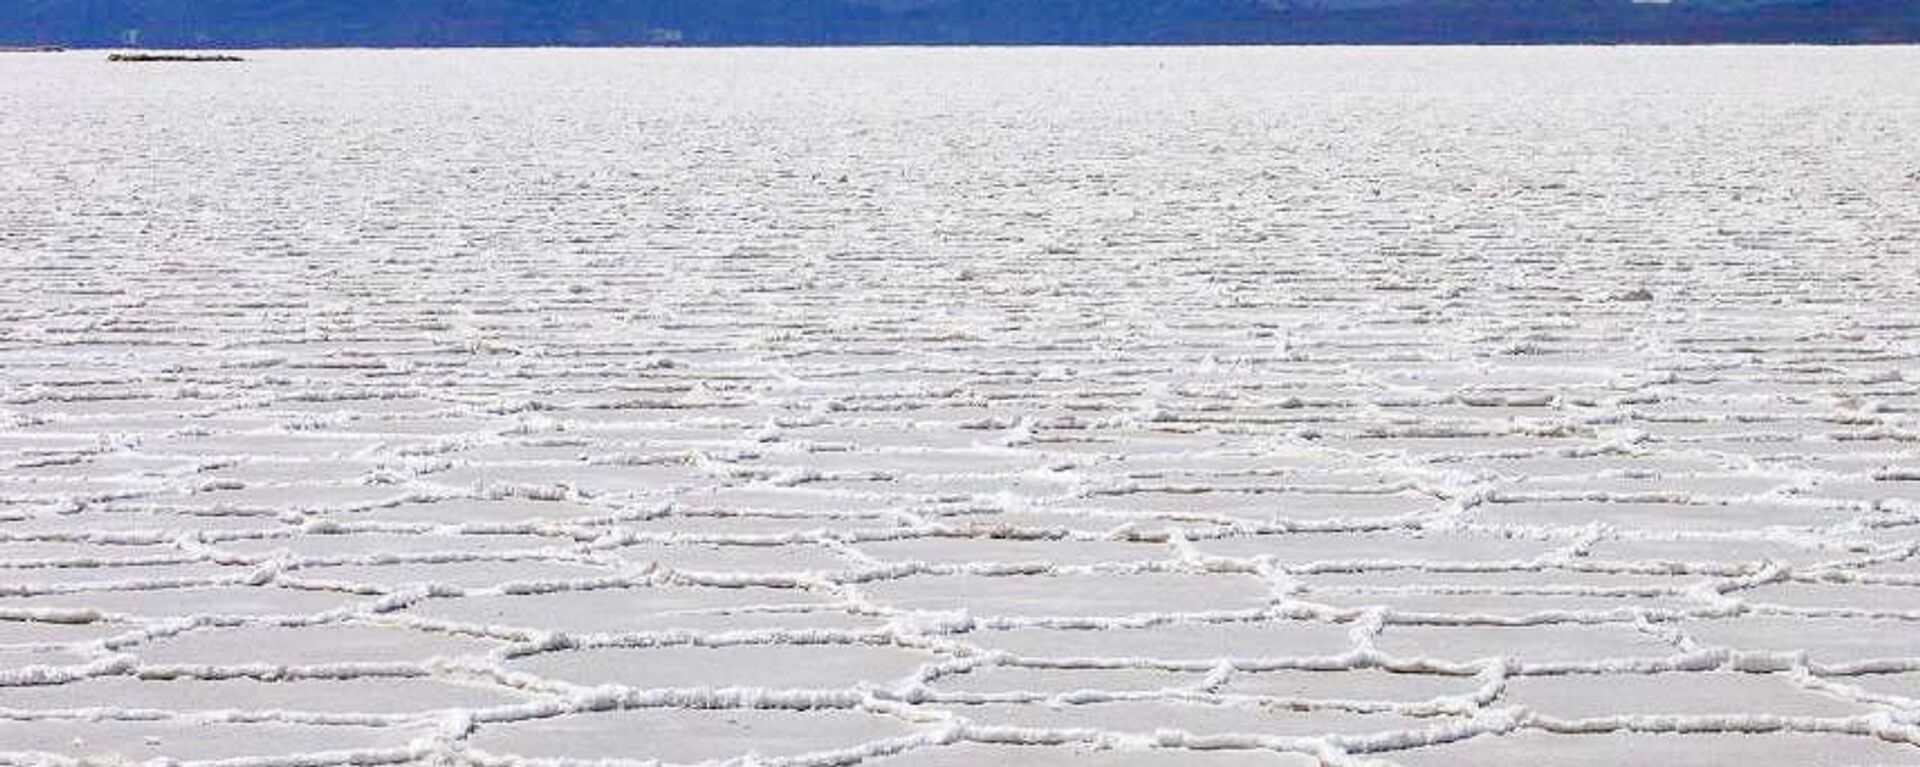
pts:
pixel 324 23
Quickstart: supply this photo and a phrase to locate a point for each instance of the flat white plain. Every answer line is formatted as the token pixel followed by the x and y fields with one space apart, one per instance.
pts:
pixel 909 407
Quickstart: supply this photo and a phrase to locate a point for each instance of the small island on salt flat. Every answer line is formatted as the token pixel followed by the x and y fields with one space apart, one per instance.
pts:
pixel 171 57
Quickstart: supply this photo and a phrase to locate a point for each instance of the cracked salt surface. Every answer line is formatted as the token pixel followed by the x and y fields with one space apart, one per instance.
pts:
pixel 938 407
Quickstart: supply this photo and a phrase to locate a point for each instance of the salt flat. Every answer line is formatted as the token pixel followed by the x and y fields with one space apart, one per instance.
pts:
pixel 898 407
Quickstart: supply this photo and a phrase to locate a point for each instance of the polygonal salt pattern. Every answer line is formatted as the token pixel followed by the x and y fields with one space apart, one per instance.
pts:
pixel 690 736
pixel 925 407
pixel 774 666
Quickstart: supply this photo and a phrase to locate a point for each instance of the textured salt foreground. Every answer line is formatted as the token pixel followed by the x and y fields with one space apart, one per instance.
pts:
pixel 1229 407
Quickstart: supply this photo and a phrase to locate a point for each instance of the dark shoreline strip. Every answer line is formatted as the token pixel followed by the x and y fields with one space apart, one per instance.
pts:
pixel 170 57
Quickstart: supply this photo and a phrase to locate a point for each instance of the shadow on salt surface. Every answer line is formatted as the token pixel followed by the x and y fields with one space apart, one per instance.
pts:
pixel 1147 717
pixel 252 601
pixel 503 456
pixel 1554 466
pixel 1232 459
pixel 1905 571
pixel 31 580
pixel 14 659
pixel 1590 696
pixel 1721 485
pixel 1698 430
pixel 1801 452
pixel 1296 550
pixel 588 479
pixel 987 521
pixel 473 574
pixel 1494 605
pixel 1472 438
pixel 780 499
pixel 476 511
pixel 737 524
pixel 1862 598
pixel 1202 644
pixel 349 547
pixel 1825 641
pixel 1081 595
pixel 921 488
pixel 80 554
pixel 1012 680
pixel 1877 490
pixel 90 463
pixel 53 488
pixel 259 445
pixel 955 550
pixel 1261 506
pixel 687 735
pixel 975 754
pixel 347 471
pixel 306 645
pixel 1660 517
pixel 1535 749
pixel 365 695
pixel 641 608
pixel 786 557
pixel 29 632
pixel 984 460
pixel 764 666
pixel 1717 551
pixel 1893 535
pixel 125 742
pixel 302 497
pixel 1515 581
pixel 1536 644
pixel 1371 685
pixel 146 526
pixel 1901 688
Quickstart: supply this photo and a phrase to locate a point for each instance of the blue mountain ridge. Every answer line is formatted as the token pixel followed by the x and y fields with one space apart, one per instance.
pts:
pixel 381 23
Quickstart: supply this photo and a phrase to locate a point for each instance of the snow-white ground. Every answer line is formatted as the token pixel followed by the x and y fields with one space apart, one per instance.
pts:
pixel 1230 407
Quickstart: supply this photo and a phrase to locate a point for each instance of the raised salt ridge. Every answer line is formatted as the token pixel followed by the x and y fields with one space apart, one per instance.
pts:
pixel 911 407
